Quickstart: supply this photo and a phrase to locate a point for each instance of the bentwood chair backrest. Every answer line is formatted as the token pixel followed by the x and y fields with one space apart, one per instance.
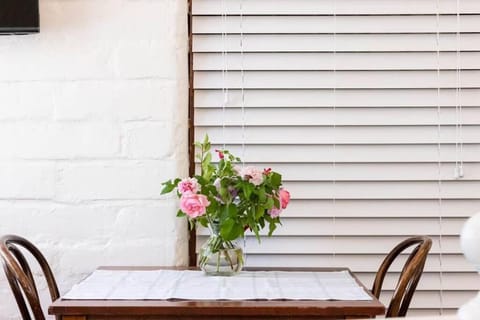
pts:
pixel 409 277
pixel 20 276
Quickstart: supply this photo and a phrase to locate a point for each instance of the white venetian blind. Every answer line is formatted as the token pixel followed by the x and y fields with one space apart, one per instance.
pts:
pixel 357 103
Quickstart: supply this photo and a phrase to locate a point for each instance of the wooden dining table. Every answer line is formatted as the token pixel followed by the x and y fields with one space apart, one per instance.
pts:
pixel 218 309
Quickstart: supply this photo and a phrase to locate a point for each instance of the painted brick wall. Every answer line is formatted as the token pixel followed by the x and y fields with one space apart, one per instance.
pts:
pixel 93 116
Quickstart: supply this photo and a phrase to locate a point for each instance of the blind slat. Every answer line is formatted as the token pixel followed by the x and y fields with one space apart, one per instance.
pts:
pixel 343 42
pixel 326 24
pixel 352 98
pixel 419 153
pixel 339 135
pixel 342 117
pixel 351 7
pixel 340 61
pixel 342 79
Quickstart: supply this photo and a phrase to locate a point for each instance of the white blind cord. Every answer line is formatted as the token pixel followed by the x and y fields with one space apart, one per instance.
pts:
pixel 224 68
pixel 334 105
pixel 242 89
pixel 242 93
pixel 457 58
pixel 439 155
pixel 458 101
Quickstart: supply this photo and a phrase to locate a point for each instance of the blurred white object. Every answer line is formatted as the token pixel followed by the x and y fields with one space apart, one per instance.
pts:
pixel 450 317
pixel 470 243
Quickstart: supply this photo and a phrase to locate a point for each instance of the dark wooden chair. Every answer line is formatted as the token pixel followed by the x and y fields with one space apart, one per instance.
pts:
pixel 20 276
pixel 409 277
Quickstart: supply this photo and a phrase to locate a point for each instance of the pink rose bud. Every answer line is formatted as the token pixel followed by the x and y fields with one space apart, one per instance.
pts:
pixel 220 153
pixel 194 205
pixel 284 198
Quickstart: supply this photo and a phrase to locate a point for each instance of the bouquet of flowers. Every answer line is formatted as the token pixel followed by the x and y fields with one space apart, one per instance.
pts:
pixel 229 199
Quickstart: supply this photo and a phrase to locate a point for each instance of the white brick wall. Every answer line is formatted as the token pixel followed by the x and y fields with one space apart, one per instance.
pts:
pixel 93 117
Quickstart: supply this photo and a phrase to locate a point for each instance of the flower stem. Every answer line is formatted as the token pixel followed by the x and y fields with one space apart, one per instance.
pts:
pixel 227 256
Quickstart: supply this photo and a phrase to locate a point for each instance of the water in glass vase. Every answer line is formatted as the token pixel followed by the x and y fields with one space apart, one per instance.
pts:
pixel 218 257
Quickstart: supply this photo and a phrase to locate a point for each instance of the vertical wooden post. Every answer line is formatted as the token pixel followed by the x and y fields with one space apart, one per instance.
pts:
pixel 192 257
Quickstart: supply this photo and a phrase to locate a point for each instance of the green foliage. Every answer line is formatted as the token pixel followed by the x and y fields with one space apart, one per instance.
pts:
pixel 236 203
pixel 169 186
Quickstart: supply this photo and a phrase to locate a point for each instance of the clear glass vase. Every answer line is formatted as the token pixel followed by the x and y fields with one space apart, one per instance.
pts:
pixel 219 257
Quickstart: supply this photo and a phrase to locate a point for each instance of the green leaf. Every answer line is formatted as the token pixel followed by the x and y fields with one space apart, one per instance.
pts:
pixel 203 222
pixel 276 179
pixel 251 222
pixel 206 143
pixel 181 214
pixel 259 212
pixel 223 213
pixel 213 207
pixel 270 203
pixel 224 194
pixel 208 158
pixel 262 196
pixel 207 169
pixel 271 227
pixel 201 180
pixel 247 190
pixel 262 223
pixel 232 212
pixel 230 230
pixel 168 186
pixel 221 165
pixel 276 203
pixel 256 232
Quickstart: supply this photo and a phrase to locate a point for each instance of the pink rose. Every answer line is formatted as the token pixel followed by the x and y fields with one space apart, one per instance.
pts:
pixel 188 185
pixel 194 205
pixel 284 198
pixel 274 212
pixel 252 174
